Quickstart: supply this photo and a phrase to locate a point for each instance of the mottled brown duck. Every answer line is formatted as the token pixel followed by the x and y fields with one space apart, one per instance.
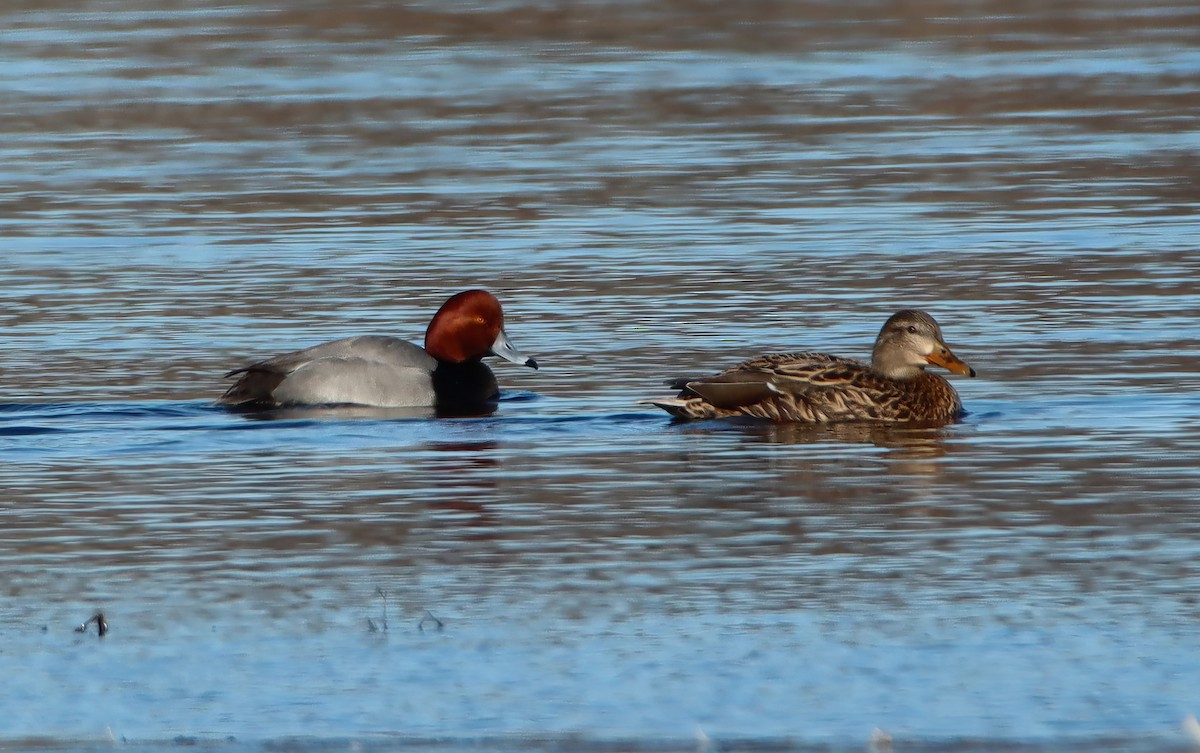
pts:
pixel 820 388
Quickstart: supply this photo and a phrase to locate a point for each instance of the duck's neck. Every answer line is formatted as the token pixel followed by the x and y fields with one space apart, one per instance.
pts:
pixel 901 372
pixel 466 383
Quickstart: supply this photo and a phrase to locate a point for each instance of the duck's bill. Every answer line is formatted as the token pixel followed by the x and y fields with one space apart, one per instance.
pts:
pixel 504 348
pixel 949 362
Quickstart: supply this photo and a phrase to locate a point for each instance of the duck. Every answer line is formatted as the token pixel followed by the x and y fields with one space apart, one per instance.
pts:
pixel 817 388
pixel 387 372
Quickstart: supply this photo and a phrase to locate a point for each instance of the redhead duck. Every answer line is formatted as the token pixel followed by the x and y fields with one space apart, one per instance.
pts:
pixel 819 388
pixel 387 372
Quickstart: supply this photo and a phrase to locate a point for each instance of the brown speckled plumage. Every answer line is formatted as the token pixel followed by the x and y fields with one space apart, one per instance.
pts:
pixel 819 388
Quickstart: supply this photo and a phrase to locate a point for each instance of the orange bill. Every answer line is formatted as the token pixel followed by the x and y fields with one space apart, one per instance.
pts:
pixel 948 361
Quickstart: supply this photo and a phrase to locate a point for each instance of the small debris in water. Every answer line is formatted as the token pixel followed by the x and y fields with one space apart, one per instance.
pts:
pixel 101 624
pixel 429 618
pixel 1192 728
pixel 383 622
pixel 881 741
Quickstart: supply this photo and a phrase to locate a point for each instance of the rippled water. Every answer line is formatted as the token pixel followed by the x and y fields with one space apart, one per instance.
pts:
pixel 653 189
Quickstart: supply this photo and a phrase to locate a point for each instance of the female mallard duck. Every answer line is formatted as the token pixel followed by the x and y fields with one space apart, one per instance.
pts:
pixel 819 388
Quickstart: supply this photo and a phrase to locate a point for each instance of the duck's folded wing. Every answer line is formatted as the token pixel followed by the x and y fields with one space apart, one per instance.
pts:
pixel 817 368
pixel 254 387
pixel 772 376
pixel 333 368
pixel 733 395
pixel 374 348
pixel 356 381
pixel 779 386
pixel 799 386
pixel 834 390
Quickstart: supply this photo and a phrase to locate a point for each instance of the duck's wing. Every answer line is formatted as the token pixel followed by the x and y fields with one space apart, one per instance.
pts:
pixel 736 390
pixel 337 361
pixel 254 387
pixel 809 387
pixel 818 388
pixel 356 381
pixel 805 387
pixel 373 348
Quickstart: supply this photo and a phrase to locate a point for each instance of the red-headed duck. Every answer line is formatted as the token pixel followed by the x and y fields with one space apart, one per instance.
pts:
pixel 387 372
pixel 820 388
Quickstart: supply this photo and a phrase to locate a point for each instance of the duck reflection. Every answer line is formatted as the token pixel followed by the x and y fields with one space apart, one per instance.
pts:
pixel 911 448
pixel 908 439
pixel 367 412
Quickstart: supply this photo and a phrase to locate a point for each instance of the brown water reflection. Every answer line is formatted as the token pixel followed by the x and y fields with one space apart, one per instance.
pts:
pixel 910 450
pixel 388 148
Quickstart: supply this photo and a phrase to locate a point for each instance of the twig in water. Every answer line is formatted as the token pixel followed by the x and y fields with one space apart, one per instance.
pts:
pixel 383 626
pixel 429 618
pixel 101 624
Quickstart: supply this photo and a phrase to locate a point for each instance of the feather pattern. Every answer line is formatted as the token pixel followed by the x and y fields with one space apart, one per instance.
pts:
pixel 810 387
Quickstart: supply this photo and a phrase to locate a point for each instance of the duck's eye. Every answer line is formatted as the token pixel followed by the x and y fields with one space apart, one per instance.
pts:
pixel 912 329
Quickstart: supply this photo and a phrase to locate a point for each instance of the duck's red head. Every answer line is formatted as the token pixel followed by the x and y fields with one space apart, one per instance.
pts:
pixel 468 327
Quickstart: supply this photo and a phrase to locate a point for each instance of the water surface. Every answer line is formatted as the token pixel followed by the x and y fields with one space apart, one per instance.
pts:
pixel 653 189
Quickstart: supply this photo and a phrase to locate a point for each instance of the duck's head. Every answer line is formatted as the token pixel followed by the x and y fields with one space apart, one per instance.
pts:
pixel 910 341
pixel 469 326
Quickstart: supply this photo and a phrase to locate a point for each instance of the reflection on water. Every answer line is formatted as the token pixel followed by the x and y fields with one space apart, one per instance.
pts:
pixel 910 449
pixel 920 438
pixel 655 188
pixel 352 412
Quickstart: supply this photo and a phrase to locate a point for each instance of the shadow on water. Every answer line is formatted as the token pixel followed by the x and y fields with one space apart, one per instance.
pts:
pixel 342 413
pixel 372 413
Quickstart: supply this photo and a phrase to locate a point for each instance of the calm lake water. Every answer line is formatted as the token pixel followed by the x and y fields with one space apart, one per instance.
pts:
pixel 653 189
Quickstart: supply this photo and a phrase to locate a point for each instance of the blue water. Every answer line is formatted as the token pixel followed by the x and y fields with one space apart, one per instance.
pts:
pixel 652 191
